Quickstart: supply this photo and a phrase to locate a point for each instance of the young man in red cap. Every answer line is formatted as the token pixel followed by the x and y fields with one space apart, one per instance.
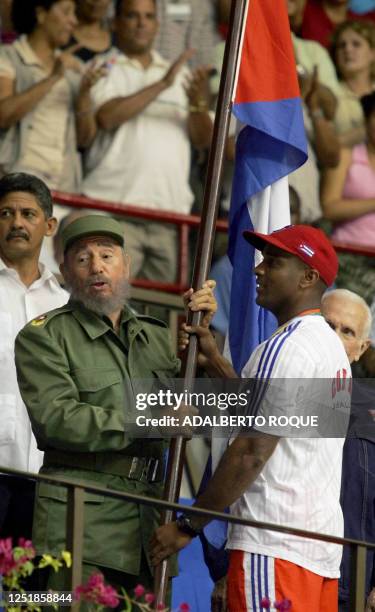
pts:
pixel 268 476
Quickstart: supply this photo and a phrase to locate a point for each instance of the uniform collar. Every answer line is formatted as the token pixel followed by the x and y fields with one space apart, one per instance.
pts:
pixel 96 326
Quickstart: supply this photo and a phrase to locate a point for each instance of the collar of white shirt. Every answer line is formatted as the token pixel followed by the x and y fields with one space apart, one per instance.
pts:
pixel 27 53
pixel 157 60
pixel 46 275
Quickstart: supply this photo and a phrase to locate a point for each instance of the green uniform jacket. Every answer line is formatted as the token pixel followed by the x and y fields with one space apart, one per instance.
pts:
pixel 78 379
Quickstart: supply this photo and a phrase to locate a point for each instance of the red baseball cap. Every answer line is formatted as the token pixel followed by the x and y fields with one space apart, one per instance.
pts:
pixel 307 243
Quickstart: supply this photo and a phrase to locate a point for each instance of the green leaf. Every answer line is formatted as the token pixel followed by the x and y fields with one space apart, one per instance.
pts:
pixel 67 557
pixel 127 601
pixel 49 561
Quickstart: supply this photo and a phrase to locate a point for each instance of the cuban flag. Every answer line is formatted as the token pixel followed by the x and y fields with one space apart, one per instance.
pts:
pixel 270 146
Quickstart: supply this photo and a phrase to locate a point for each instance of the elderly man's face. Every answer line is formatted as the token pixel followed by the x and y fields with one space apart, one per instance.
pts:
pixel 97 272
pixel 348 319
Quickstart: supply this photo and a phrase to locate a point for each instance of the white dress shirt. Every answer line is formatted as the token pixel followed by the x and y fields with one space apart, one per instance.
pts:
pixel 146 160
pixel 19 305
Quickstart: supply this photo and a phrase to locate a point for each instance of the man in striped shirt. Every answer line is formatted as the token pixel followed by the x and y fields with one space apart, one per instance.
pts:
pixel 272 476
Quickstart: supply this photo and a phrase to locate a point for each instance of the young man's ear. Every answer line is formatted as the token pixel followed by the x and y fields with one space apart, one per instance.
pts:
pixel 309 278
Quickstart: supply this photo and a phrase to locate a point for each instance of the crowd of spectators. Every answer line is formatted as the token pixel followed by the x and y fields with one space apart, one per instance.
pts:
pixel 116 100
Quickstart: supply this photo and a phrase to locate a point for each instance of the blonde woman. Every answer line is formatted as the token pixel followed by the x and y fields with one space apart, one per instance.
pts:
pixel 353 52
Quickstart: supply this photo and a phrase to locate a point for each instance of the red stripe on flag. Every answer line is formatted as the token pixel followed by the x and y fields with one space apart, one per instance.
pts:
pixel 268 67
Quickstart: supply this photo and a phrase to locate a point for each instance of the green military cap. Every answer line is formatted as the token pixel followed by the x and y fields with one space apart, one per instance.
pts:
pixel 91 225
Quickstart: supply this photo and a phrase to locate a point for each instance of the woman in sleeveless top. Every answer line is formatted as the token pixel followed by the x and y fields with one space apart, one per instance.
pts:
pixel 45 105
pixel 92 31
pixel 348 200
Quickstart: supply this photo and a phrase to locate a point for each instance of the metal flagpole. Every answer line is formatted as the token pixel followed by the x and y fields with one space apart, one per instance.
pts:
pixel 204 251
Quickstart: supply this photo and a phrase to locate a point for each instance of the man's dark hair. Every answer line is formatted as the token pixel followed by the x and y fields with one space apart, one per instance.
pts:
pixel 368 104
pixel 119 5
pixel 20 181
pixel 24 14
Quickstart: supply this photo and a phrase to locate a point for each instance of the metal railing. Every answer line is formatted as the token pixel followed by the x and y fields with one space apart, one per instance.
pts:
pixel 153 293
pixel 75 529
pixel 184 223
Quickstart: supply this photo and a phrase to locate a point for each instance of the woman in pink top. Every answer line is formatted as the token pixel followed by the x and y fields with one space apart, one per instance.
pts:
pixel 348 191
pixel 348 196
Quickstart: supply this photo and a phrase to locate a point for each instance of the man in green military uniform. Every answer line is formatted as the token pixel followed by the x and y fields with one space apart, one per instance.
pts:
pixel 77 369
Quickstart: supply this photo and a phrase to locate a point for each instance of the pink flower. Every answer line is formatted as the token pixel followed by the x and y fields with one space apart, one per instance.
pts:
pixel 78 591
pixel 7 561
pixel 265 603
pixel 149 598
pixel 139 590
pixel 184 607
pixel 97 592
pixel 25 543
pixel 96 581
pixel 160 606
pixel 109 597
pixel 6 544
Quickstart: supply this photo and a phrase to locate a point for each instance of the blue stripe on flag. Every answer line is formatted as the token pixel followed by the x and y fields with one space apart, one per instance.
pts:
pixel 271 146
pixel 265 153
pixel 243 310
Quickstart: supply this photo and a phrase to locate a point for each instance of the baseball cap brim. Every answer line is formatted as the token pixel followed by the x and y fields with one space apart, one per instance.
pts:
pixel 259 241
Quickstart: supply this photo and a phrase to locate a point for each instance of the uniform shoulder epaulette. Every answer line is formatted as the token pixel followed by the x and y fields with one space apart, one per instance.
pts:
pixel 45 318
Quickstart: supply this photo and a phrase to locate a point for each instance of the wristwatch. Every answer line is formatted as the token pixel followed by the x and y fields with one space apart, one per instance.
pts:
pixel 185 525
